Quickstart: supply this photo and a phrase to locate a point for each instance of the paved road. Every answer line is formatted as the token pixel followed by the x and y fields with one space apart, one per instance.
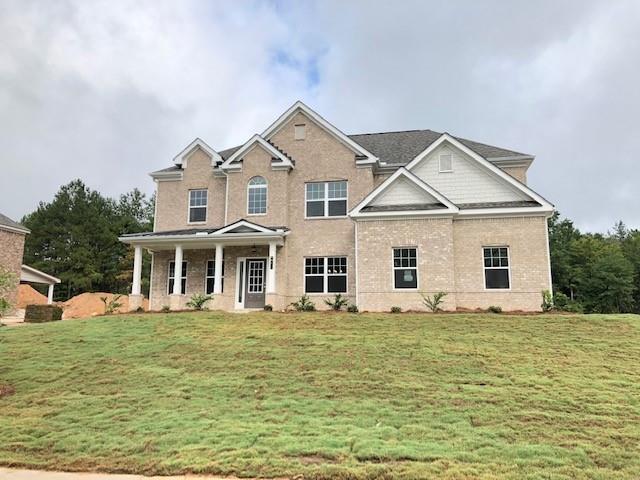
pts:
pixel 11 474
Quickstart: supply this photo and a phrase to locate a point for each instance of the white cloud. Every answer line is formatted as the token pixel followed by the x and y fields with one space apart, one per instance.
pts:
pixel 108 91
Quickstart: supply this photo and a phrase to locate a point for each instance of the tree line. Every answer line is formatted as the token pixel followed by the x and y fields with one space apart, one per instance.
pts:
pixel 75 238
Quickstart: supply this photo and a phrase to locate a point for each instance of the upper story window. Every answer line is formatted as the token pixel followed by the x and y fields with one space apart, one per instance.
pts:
pixel 326 199
pixel 496 268
pixel 446 163
pixel 257 196
pixel 197 206
pixel 299 131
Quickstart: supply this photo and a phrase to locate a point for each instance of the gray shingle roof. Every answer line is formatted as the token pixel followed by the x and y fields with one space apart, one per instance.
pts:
pixel 187 231
pixel 517 203
pixel 404 207
pixel 7 222
pixel 399 148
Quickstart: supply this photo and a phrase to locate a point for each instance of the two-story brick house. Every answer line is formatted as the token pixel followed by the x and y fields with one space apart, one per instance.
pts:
pixel 381 218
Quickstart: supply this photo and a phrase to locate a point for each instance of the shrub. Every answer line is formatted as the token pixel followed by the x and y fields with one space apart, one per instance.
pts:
pixel 547 301
pixel 110 306
pixel 140 310
pixel 396 309
pixel 565 304
pixel 433 303
pixel 4 306
pixel 352 308
pixel 42 313
pixel 198 301
pixel 165 309
pixel 495 309
pixel 337 303
pixel 268 308
pixel 304 304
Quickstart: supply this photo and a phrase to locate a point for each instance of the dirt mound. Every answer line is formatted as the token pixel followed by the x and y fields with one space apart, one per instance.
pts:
pixel 27 295
pixel 90 304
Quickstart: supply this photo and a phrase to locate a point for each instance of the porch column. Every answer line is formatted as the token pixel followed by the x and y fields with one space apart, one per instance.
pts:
pixel 217 274
pixel 50 294
pixel 177 273
pixel 137 270
pixel 271 268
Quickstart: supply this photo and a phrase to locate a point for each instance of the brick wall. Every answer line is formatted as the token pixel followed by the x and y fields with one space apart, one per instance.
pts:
pixel 11 251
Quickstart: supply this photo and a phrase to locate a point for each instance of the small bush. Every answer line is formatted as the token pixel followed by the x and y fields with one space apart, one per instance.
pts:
pixel 110 306
pixel 433 303
pixel 495 309
pixel 565 304
pixel 165 309
pixel 352 308
pixel 4 306
pixel 396 310
pixel 304 305
pixel 547 301
pixel 198 301
pixel 337 303
pixel 268 308
pixel 42 313
pixel 140 310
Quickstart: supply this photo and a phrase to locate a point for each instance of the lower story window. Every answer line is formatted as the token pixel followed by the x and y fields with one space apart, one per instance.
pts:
pixel 210 277
pixel 325 275
pixel 405 268
pixel 496 267
pixel 172 277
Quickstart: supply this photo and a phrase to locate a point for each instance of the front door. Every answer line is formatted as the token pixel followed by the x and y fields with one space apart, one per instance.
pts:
pixel 254 285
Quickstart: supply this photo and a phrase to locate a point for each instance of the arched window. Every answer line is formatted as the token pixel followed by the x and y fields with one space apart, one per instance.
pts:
pixel 257 196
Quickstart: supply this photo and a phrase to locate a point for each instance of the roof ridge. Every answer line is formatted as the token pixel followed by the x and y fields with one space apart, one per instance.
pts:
pixel 395 131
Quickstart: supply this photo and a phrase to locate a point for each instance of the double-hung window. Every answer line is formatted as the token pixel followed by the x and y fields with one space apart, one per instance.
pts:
pixel 257 196
pixel 326 199
pixel 211 276
pixel 325 275
pixel 172 277
pixel 496 268
pixel 405 268
pixel 197 206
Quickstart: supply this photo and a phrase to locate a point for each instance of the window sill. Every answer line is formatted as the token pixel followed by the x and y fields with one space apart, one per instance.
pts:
pixel 256 214
pixel 197 223
pixel 327 218
pixel 325 294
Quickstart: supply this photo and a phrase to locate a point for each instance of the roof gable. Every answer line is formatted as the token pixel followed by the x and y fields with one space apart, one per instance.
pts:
pixel 403 186
pixel 363 156
pixel 521 191
pixel 181 158
pixel 282 160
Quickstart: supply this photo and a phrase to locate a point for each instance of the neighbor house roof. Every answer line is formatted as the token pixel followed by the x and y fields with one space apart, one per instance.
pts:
pixel 8 224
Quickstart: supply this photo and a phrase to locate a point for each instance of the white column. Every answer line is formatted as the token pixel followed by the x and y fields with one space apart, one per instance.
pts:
pixel 137 270
pixel 177 274
pixel 271 268
pixel 50 295
pixel 217 274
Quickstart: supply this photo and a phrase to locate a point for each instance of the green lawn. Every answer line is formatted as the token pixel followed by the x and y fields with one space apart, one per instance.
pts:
pixel 326 395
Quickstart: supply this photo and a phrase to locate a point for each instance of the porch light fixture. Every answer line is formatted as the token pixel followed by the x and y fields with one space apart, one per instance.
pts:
pixel 254 250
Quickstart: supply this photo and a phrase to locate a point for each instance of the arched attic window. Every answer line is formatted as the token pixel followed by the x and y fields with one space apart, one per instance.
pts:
pixel 257 196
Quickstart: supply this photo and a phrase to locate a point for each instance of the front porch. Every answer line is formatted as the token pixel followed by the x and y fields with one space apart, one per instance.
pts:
pixel 236 265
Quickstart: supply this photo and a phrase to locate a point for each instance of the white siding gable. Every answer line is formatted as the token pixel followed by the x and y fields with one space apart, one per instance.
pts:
pixel 469 182
pixel 401 192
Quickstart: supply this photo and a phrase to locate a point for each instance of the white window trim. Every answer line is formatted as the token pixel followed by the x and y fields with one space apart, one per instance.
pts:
pixel 207 277
pixel 440 169
pixel 326 201
pixel 266 187
pixel 325 275
pixel 394 268
pixel 206 207
pixel 484 269
pixel 170 292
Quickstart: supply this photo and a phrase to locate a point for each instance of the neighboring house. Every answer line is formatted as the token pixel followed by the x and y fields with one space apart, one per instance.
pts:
pixel 381 218
pixel 12 237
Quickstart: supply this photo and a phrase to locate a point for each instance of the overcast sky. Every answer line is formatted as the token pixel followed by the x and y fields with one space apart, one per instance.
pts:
pixel 109 91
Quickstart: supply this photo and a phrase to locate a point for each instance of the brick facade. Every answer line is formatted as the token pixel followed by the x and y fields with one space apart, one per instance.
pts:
pixel 11 251
pixel 450 250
